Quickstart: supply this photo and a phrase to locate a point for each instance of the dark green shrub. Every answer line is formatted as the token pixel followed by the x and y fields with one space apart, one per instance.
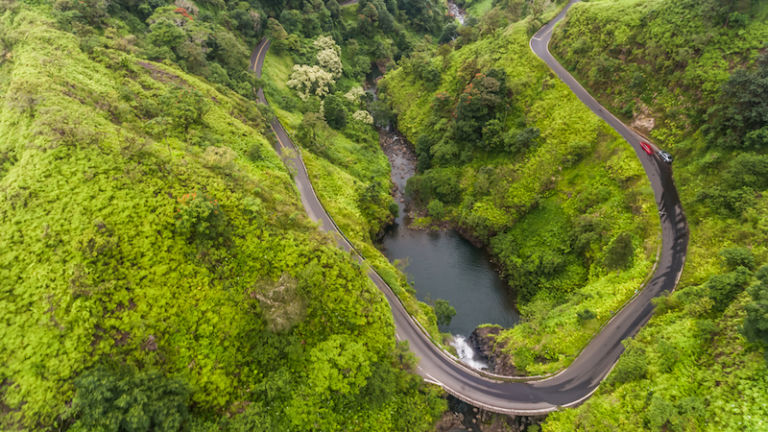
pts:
pixel 444 312
pixel 737 257
pixel 200 218
pixel 747 170
pixel 335 112
pixel 255 153
pixel 436 209
pixel 632 366
pixel 450 32
pixel 129 401
pixel 184 107
pixel 742 108
pixel 620 252
pixel 725 287
pixel 585 315
pixel 756 322
pixel 659 412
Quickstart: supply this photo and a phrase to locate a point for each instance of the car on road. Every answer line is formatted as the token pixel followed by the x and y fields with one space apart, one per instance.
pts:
pixel 666 157
pixel 646 147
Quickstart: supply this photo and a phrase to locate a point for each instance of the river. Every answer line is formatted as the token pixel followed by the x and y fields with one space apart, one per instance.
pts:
pixel 442 264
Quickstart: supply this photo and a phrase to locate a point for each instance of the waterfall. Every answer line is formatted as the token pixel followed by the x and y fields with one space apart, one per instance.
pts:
pixel 456 12
pixel 466 354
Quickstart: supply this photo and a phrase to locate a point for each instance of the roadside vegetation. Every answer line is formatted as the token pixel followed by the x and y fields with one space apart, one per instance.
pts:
pixel 158 268
pixel 691 75
pixel 159 271
pixel 314 83
pixel 512 159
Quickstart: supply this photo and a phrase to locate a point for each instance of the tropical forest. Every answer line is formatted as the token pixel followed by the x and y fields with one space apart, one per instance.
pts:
pixel 384 215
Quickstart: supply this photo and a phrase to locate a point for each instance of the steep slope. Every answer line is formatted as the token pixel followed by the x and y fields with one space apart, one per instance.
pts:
pixel 520 164
pixel 333 123
pixel 694 71
pixel 158 270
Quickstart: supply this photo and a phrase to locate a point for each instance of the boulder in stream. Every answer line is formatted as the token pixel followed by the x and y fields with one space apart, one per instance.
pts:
pixel 483 341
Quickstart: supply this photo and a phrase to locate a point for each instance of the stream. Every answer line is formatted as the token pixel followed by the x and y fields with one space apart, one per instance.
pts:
pixel 455 11
pixel 442 264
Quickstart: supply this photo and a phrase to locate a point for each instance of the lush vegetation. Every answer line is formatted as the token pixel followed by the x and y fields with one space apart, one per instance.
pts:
pixel 691 367
pixel 314 85
pixel 158 269
pixel 513 159
pixel 692 76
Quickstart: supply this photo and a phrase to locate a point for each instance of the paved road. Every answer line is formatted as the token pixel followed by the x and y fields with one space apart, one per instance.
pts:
pixel 525 396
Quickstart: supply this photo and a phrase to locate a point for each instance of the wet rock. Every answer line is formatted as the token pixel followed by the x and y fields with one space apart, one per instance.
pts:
pixel 450 422
pixel 483 341
pixel 478 420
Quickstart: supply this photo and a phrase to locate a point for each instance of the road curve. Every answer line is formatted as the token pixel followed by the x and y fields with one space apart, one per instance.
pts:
pixel 523 396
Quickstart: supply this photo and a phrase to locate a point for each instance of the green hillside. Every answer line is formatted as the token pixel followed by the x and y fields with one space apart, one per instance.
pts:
pixel 691 76
pixel 158 270
pixel 331 120
pixel 513 159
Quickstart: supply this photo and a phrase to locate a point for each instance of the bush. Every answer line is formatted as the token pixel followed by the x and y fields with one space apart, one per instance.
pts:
pixel 728 202
pixel 200 218
pixel 335 112
pixel 129 401
pixel 254 153
pixel 747 170
pixel 312 132
pixel 450 32
pixel 620 252
pixel 91 12
pixel 742 108
pixel 725 287
pixel 659 413
pixel 441 184
pixel 756 322
pixel 585 315
pixel 738 257
pixel 444 312
pixel 436 209
pixel 632 366
pixel 523 140
pixel 184 107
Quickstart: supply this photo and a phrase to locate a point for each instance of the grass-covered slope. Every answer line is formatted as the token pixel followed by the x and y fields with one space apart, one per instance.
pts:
pixel 660 59
pixel 350 175
pixel 693 68
pixel 157 268
pixel 349 172
pixel 559 199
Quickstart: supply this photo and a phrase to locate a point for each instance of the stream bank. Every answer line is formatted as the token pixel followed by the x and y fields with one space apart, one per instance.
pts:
pixel 443 264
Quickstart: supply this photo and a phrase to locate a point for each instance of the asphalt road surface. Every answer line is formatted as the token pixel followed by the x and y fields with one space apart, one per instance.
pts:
pixel 525 395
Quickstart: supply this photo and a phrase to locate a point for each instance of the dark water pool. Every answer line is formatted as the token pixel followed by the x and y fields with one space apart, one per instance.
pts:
pixel 443 265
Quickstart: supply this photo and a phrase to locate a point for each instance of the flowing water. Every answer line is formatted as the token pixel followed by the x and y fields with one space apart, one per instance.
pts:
pixel 442 264
pixel 456 12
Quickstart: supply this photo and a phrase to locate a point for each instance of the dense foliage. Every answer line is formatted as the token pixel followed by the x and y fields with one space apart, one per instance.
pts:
pixel 512 158
pixel 740 116
pixel 669 59
pixel 340 147
pixel 444 312
pixel 158 270
pixel 695 74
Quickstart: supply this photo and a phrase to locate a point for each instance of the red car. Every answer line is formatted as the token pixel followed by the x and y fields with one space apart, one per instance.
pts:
pixel 646 147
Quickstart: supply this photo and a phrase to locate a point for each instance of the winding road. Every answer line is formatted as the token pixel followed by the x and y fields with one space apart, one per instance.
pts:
pixel 525 395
